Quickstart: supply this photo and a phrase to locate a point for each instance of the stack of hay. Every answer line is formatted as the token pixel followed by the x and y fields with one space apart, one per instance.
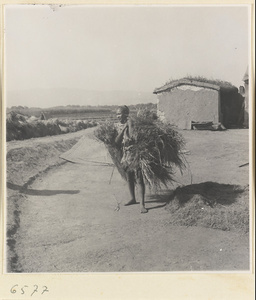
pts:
pixel 155 149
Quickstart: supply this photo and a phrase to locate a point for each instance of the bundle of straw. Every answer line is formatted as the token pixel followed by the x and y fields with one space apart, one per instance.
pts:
pixel 107 133
pixel 155 150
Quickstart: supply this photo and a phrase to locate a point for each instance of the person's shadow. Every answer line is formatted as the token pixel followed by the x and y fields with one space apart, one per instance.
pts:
pixel 33 192
pixel 161 199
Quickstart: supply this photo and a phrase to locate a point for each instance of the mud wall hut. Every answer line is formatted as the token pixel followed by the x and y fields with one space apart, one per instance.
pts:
pixel 188 101
pixel 246 99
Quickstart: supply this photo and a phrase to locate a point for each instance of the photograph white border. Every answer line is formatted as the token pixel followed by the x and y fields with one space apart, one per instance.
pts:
pixel 200 285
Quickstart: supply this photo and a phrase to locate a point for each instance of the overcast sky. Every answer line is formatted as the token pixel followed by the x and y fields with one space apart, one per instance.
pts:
pixel 127 48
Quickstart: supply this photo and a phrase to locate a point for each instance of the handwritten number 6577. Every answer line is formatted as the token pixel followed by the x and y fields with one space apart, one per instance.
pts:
pixel 14 289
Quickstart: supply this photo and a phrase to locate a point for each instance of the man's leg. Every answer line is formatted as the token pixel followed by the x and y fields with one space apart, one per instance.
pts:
pixel 131 186
pixel 141 192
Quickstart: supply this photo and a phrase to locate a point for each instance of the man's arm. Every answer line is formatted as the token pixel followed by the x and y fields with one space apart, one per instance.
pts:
pixel 119 138
pixel 130 128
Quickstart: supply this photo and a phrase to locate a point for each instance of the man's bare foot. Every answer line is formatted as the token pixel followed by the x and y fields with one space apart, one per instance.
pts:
pixel 133 201
pixel 143 210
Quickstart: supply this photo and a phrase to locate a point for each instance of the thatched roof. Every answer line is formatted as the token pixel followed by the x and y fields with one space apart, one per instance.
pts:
pixel 198 82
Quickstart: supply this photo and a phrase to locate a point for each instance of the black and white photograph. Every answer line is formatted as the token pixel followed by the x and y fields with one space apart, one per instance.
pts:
pixel 128 138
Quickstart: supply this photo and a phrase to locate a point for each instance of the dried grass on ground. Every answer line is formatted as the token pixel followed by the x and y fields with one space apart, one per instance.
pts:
pixel 211 204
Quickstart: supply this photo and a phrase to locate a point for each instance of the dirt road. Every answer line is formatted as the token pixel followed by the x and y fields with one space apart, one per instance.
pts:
pixel 68 221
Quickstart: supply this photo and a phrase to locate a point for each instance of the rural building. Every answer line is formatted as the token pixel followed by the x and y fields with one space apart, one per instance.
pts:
pixel 246 99
pixel 191 101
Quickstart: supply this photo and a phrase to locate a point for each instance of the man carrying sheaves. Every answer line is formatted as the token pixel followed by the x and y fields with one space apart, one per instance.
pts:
pixel 144 150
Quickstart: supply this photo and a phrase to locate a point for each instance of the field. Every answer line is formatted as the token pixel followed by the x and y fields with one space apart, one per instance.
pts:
pixel 75 112
pixel 25 123
pixel 88 115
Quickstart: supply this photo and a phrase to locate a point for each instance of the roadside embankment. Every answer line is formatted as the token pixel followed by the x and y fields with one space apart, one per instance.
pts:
pixel 26 160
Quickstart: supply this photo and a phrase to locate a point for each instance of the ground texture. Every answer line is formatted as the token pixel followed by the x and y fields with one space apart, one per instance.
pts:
pixel 66 217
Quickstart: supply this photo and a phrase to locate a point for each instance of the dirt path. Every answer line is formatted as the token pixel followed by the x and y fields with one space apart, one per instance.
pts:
pixel 68 221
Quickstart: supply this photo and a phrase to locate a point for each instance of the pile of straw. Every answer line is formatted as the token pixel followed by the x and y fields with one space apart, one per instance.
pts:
pixel 20 127
pixel 154 149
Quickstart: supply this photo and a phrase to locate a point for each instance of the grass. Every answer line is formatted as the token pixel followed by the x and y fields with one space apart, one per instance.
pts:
pixel 221 83
pixel 23 129
pixel 210 204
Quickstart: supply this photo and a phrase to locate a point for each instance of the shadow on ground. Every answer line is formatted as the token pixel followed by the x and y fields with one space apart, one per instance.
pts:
pixel 160 199
pixel 33 192
pixel 212 193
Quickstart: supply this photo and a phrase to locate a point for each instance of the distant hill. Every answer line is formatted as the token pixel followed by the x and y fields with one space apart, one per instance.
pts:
pixel 65 96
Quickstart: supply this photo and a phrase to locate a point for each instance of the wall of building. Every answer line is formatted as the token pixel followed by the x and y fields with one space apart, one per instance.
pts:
pixel 185 104
pixel 232 108
pixel 246 104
